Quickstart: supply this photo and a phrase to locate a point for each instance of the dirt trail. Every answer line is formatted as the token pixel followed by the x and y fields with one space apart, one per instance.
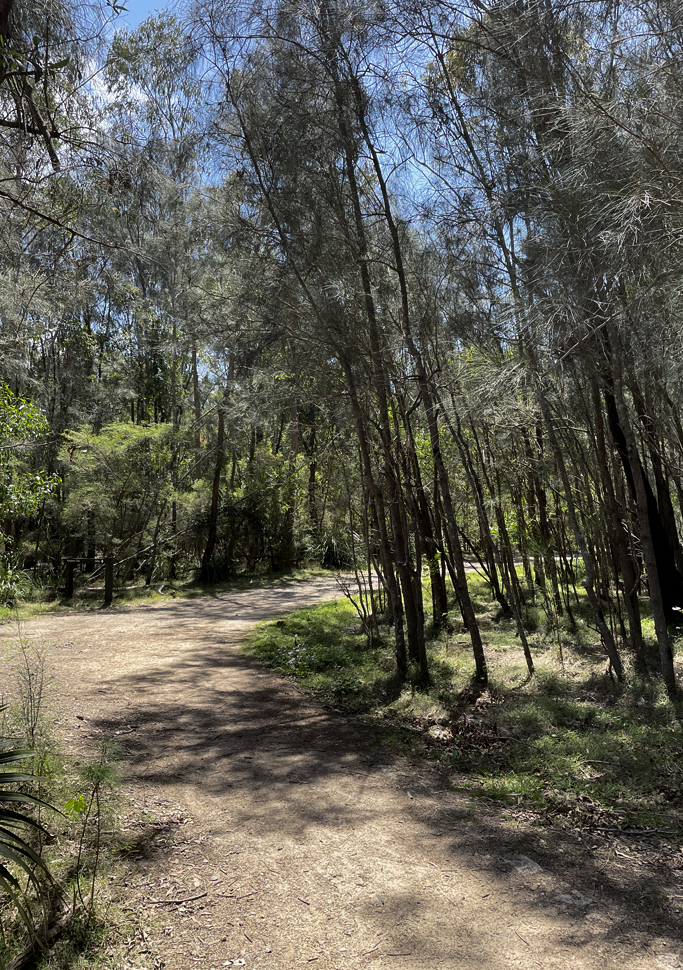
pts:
pixel 293 837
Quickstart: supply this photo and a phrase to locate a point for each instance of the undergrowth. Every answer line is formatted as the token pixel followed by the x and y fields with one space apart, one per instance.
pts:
pixel 570 743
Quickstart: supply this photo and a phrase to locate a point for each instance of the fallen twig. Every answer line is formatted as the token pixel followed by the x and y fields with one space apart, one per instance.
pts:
pixel 606 828
pixel 175 902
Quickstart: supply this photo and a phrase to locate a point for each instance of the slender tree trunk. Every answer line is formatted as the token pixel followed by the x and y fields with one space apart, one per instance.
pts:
pixel 386 557
pixel 197 401
pixel 656 599
pixel 476 491
pixel 287 543
pixel 626 567
pixel 312 455
pixel 605 632
pixel 413 572
pixel 427 397
pixel 394 500
pixel 205 572
pixel 462 589
pixel 671 582
pixel 510 580
pixel 430 547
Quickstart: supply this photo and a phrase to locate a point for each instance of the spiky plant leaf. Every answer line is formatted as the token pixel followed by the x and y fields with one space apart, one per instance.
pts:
pixel 16 855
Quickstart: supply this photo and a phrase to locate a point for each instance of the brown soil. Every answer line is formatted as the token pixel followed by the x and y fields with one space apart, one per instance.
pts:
pixel 287 836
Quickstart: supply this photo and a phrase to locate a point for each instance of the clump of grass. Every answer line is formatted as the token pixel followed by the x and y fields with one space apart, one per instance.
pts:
pixel 588 753
pixel 322 647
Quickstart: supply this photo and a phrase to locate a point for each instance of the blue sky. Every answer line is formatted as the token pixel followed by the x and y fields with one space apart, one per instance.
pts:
pixel 138 10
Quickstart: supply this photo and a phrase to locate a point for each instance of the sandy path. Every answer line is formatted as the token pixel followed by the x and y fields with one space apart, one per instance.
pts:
pixel 304 842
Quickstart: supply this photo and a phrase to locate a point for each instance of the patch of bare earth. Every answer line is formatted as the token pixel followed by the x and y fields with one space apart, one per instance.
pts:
pixel 290 838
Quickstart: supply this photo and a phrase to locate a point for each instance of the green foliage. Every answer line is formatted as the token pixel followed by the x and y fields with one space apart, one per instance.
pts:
pixel 119 484
pixel 75 806
pixel 259 520
pixel 21 489
pixel 340 550
pixel 17 856
pixel 14 583
pixel 156 57
pixel 99 777
pixel 20 421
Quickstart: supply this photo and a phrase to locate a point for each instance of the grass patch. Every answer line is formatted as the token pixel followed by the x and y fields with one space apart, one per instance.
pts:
pixel 569 743
pixel 323 648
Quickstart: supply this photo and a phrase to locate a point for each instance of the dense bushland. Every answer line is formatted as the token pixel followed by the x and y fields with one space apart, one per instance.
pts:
pixel 373 286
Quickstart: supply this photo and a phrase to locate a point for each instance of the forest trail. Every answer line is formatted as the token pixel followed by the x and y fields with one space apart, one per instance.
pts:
pixel 294 838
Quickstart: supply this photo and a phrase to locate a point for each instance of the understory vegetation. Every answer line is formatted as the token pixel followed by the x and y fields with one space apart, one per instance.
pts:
pixel 571 744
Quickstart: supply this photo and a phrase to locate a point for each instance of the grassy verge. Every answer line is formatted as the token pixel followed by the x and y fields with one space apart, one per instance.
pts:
pixel 569 743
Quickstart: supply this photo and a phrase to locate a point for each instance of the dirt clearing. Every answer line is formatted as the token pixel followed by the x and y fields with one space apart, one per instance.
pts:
pixel 286 836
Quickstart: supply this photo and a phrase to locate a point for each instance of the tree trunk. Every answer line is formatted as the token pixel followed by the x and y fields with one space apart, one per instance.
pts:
pixel 386 558
pixel 671 583
pixel 626 567
pixel 197 412
pixel 605 632
pixel 206 571
pixel 644 521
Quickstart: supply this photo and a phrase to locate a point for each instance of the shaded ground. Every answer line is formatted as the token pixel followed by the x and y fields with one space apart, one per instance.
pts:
pixel 288 837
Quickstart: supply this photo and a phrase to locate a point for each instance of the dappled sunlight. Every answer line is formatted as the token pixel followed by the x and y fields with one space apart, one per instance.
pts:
pixel 306 835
